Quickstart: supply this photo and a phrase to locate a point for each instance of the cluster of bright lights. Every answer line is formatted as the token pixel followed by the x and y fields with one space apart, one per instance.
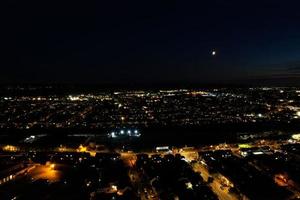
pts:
pixel 124 132
pixel 296 136
pixel 10 148
pixel 29 139
pixel 74 98
pixel 82 149
pixel 52 166
pixel 6 179
pixel 189 185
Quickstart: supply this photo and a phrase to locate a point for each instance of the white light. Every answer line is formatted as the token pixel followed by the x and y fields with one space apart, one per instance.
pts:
pixel 296 136
pixel 135 131
pixel 122 131
pixel 129 131
pixel 189 185
pixel 114 187
pixel 213 53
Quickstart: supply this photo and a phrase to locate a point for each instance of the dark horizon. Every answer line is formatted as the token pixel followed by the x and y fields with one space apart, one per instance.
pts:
pixel 254 82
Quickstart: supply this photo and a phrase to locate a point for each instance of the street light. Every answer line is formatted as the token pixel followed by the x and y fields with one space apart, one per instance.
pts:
pixel 52 166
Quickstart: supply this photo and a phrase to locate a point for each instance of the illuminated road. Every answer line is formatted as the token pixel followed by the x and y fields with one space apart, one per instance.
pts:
pixel 219 189
pixel 129 159
pixel 45 172
pixel 201 169
pixel 17 175
pixel 191 154
pixel 140 183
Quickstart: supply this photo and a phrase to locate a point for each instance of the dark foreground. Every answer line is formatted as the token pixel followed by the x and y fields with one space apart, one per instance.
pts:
pixel 79 167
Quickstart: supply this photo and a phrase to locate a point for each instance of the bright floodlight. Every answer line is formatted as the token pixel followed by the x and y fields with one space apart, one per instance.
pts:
pixel 113 135
pixel 122 131
pixel 135 131
pixel 52 166
pixel 213 53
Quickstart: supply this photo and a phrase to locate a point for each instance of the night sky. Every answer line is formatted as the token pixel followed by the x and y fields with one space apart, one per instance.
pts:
pixel 149 42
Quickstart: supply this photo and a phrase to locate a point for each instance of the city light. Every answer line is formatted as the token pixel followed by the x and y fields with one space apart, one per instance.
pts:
pixel 189 186
pixel 52 166
pixel 167 100
pixel 82 148
pixel 113 135
pixel 123 133
pixel 114 188
pixel 10 148
pixel 296 136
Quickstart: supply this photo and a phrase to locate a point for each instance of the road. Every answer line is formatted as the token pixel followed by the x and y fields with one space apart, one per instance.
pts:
pixel 139 181
pixel 45 172
pixel 217 187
